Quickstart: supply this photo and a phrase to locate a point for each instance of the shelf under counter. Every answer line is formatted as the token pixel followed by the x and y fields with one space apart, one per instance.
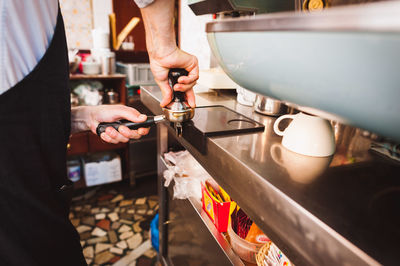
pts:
pixel 219 238
pixel 97 76
pixel 328 221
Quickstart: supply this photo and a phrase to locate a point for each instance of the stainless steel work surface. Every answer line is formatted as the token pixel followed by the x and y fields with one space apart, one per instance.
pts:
pixel 333 218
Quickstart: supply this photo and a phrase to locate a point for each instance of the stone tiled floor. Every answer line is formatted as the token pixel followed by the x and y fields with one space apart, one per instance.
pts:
pixel 113 222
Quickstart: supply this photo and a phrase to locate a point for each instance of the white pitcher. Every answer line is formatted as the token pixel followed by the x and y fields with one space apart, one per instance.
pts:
pixel 307 135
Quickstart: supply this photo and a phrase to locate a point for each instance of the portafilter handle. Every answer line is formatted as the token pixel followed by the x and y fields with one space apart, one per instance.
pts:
pixel 173 75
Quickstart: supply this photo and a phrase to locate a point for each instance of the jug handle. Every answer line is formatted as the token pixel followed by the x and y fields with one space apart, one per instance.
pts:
pixel 276 124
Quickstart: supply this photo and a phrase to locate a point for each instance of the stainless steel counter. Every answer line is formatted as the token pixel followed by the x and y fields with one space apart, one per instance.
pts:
pixel 345 215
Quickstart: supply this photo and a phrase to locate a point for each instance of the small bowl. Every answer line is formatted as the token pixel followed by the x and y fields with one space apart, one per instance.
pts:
pixel 244 249
pixel 91 68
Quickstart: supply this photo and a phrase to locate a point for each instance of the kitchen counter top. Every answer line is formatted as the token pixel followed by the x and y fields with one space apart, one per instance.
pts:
pixel 346 215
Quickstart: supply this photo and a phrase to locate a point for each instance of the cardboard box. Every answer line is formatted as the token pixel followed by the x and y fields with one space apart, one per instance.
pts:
pixel 219 212
pixel 97 173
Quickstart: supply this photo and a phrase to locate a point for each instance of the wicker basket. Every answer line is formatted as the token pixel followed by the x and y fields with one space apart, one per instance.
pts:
pixel 262 253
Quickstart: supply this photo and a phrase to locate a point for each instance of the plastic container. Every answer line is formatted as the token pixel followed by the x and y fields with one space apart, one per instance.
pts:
pixel 74 169
pixel 245 250
pixel 136 74
pixel 154 233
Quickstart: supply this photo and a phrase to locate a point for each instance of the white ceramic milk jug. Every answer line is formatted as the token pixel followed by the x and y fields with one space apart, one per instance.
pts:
pixel 307 135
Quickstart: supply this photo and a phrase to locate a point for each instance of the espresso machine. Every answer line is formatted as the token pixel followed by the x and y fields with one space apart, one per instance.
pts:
pixel 338 210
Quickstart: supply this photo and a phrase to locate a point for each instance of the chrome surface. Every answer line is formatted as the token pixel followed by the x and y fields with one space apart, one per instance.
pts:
pixel 268 106
pixel 381 16
pixel 159 118
pixel 322 221
pixel 178 112
pixel 178 116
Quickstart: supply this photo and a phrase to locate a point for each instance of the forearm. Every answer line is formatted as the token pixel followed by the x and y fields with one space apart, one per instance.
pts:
pixel 79 118
pixel 159 25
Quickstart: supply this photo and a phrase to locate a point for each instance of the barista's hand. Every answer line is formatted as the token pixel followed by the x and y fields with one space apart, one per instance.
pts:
pixel 160 65
pixel 88 118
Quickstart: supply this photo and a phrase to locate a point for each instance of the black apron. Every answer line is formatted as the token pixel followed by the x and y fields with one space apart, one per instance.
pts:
pixel 34 131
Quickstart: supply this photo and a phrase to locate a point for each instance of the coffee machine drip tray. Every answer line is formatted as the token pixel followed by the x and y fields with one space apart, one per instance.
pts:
pixel 216 120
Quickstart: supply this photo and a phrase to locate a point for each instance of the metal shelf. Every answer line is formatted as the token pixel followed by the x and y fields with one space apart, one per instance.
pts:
pixel 98 76
pixel 219 237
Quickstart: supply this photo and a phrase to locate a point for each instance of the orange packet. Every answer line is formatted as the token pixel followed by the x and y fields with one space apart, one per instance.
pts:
pixel 256 236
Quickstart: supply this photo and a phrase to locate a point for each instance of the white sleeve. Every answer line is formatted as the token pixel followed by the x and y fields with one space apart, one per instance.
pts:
pixel 143 3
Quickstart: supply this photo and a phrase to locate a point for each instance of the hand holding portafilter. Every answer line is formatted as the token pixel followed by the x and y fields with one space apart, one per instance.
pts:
pixel 177 111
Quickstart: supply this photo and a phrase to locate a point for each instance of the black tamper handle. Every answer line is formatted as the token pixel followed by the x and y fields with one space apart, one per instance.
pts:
pixel 173 76
pixel 131 125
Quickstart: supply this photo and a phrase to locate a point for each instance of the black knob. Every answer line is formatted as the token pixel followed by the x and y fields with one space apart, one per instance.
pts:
pixel 173 76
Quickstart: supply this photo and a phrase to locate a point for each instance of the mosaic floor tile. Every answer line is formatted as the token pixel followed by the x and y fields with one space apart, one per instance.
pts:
pixel 103 257
pixel 100 247
pixel 99 232
pixel 83 228
pixel 85 235
pixel 118 198
pixel 137 217
pixel 88 252
pixel 117 251
pixel 126 216
pixel 151 253
pixel 134 241
pixel 141 211
pixel 113 216
pixel 124 228
pixel 152 203
pixel 122 244
pixel 114 260
pixel 95 210
pixel 140 201
pixel 96 240
pixel 88 220
pixel 126 235
pixel 126 221
pixel 109 232
pixel 115 225
pixel 100 216
pixel 137 228
pixel 104 210
pixel 125 203
pixel 112 237
pixel 104 224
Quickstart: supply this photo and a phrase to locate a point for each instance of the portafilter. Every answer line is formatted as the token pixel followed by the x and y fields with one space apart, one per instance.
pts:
pixel 177 111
